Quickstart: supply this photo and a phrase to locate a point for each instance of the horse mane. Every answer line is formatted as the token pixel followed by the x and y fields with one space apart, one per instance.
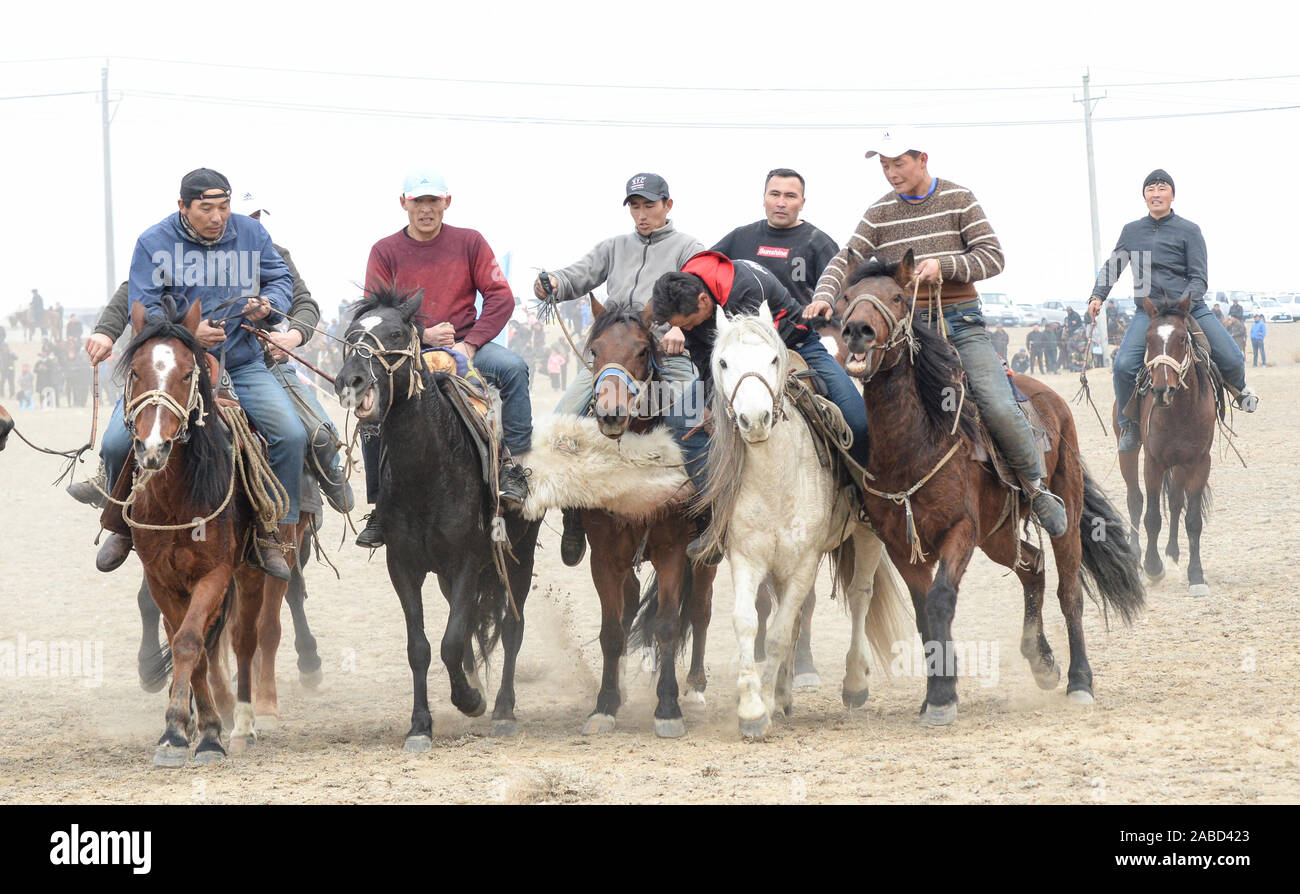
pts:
pixel 623 312
pixel 872 266
pixel 384 294
pixel 937 369
pixel 207 455
pixel 727 449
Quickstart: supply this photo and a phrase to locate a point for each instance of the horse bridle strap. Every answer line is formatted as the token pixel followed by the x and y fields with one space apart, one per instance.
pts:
pixel 778 405
pixel 900 328
pixel 412 352
pixel 639 387
pixel 156 397
pixel 1180 369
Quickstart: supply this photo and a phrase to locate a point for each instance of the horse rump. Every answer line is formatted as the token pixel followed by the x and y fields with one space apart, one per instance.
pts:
pixel 1111 569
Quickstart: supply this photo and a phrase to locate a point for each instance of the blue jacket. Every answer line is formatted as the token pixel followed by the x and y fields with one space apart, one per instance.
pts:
pixel 243 263
pixel 1174 249
pixel 1257 331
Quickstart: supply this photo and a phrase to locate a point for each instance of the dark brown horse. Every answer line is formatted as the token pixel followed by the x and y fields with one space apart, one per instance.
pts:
pixel 942 503
pixel 625 358
pixel 1176 415
pixel 190 520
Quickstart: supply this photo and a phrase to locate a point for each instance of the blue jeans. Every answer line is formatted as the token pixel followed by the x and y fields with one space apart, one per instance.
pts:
pixel 991 390
pixel 1132 351
pixel 840 388
pixel 509 373
pixel 266 404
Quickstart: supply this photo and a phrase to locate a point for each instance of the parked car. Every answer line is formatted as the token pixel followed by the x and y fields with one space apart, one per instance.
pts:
pixel 1000 314
pixel 1274 311
pixel 1053 312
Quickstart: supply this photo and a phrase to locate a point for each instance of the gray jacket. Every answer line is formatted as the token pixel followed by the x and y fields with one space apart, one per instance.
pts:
pixel 628 264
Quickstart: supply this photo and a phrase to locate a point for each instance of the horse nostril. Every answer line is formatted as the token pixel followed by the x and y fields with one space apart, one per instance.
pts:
pixel 767 417
pixel 743 420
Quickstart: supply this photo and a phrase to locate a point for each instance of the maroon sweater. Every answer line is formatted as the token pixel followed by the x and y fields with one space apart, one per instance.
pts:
pixel 450 268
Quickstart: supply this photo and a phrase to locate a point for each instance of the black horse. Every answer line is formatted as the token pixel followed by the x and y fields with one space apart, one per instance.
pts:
pixel 438 514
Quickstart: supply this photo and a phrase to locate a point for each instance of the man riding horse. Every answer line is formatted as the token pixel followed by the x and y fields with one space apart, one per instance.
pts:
pixel 628 265
pixel 1169 262
pixel 955 247
pixel 205 253
pixel 689 300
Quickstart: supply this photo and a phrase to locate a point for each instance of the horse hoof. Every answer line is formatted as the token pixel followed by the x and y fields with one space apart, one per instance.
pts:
pixel 211 756
pixel 1157 577
pixel 598 725
pixel 694 697
pixel 502 729
pixel 171 757
pixel 1080 697
pixel 264 722
pixel 854 699
pixel 1048 679
pixel 672 728
pixel 478 710
pixel 806 681
pixel 240 744
pixel 1198 590
pixel 939 715
pixel 312 679
pixel 417 744
pixel 756 728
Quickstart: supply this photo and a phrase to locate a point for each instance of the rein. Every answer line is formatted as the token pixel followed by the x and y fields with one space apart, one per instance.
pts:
pixel 415 384
pixel 75 454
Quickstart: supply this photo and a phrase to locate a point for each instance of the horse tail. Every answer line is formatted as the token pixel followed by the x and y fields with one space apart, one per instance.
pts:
pixel 490 609
pixel 1110 573
pixel 888 620
pixel 643 627
pixel 1167 485
pixel 219 626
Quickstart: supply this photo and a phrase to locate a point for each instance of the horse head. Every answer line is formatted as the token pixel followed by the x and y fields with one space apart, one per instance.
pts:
pixel 382 354
pixel 1169 353
pixel 749 370
pixel 166 382
pixel 624 358
pixel 6 426
pixel 876 312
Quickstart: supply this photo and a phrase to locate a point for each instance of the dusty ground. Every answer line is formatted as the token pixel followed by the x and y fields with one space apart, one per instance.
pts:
pixel 1196 703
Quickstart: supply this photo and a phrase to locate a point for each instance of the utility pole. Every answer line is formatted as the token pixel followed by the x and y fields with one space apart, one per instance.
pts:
pixel 1092 200
pixel 110 276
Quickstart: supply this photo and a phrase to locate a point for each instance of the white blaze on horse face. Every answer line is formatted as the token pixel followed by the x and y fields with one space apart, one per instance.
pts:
pixel 163 361
pixel 1164 330
pixel 370 322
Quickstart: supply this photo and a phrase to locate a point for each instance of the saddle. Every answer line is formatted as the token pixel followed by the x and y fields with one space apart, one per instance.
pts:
pixel 808 393
pixel 466 391
pixel 985 450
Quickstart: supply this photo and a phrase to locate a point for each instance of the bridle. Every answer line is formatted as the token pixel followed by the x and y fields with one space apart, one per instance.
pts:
pixel 900 331
pixel 379 353
pixel 1179 368
pixel 135 404
pixel 778 405
pixel 638 388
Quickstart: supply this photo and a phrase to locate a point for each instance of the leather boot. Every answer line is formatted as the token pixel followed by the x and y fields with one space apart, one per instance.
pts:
pixel 573 542
pixel 113 552
pixel 269 558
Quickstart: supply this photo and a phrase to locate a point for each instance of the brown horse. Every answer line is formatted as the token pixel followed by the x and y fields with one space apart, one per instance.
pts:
pixel 939 502
pixel 29 323
pixel 1176 415
pixel 190 521
pixel 625 357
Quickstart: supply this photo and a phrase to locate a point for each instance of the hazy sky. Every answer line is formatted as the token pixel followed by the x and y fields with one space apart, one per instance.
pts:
pixel 595 92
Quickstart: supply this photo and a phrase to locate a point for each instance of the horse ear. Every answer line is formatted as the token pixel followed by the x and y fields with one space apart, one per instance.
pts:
pixel 724 324
pixel 138 317
pixel 1186 304
pixel 597 308
pixel 906 268
pixel 193 316
pixel 765 314
pixel 411 306
pixel 1150 309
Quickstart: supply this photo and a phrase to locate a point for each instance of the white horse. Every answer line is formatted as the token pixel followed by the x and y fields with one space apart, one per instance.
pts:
pixel 777 510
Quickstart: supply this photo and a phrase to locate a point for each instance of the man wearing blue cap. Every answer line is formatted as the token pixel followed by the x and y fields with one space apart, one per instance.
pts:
pixel 1169 264
pixel 450 265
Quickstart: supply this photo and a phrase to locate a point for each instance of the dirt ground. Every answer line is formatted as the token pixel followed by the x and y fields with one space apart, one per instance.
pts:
pixel 1197 702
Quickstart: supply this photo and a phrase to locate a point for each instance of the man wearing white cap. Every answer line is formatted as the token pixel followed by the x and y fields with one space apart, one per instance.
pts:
pixel 955 247
pixel 452 264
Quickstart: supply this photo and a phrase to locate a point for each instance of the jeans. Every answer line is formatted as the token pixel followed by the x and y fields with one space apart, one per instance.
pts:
pixel 1132 351
pixel 509 373
pixel 314 420
pixel 267 406
pixel 1257 356
pixel 840 388
pixel 991 390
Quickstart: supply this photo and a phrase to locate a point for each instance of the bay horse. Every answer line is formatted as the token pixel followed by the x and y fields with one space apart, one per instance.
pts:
pixel 776 511
pixel 1177 416
pixel 932 513
pixel 190 519
pixel 625 357
pixel 438 514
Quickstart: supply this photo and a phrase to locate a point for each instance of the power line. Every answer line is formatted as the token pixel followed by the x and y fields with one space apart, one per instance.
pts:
pixel 44 95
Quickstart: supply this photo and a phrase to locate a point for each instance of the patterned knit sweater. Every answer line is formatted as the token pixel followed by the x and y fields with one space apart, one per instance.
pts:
pixel 949 225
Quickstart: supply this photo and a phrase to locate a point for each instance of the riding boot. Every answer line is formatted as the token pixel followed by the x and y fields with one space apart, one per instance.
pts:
pixel 336 488
pixel 114 550
pixel 89 491
pixel 267 553
pixel 513 480
pixel 1049 508
pixel 699 550
pixel 573 542
pixel 372 535
pixel 1130 437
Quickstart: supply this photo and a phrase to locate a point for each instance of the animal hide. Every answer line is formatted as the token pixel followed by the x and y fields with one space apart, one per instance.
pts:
pixel 574 466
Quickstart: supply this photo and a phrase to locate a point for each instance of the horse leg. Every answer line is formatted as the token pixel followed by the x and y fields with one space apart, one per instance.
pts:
pixel 1153 475
pixel 792 591
pixel 669 558
pixel 512 633
pixel 763 605
pixel 631 602
pixel 940 607
pixel 866 557
pixel 249 600
pixel 409 583
pixel 701 610
pixel 1197 479
pixel 266 702
pixel 309 663
pixel 1000 546
pixel 752 714
pixel 1128 466
pixel 191 623
pixel 467 696
pixel 154 661
pixel 805 671
pixel 209 749
pixel 1177 497
pixel 219 676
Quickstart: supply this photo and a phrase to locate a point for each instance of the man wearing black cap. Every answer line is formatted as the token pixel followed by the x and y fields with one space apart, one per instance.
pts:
pixel 1169 264
pixel 204 253
pixel 628 265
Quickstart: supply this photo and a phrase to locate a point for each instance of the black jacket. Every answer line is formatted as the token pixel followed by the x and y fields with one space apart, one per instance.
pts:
pixel 1175 251
pixel 740 287
pixel 796 255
